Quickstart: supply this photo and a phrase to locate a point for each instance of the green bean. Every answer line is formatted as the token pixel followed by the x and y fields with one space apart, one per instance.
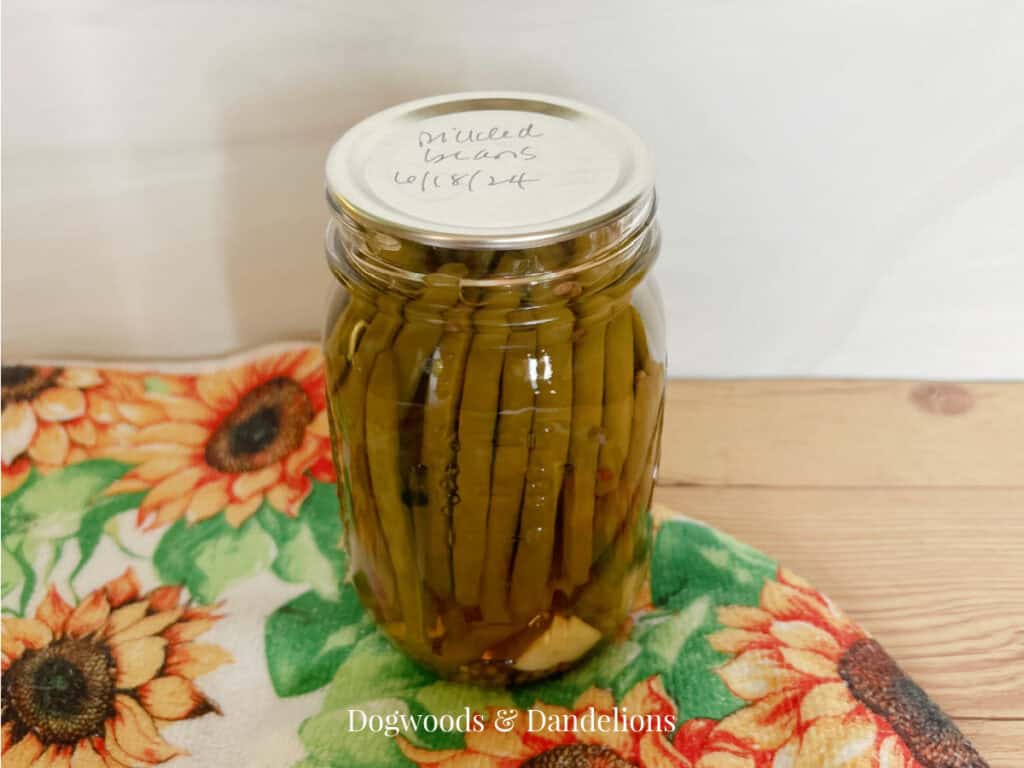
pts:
pixel 618 400
pixel 343 340
pixel 588 394
pixel 546 291
pixel 596 241
pixel 646 402
pixel 349 404
pixel 550 258
pixel 511 453
pixel 650 389
pixel 641 348
pixel 617 574
pixel 382 438
pixel 552 421
pixel 439 418
pixel 410 256
pixel 606 598
pixel 424 325
pixel 610 503
pixel 603 279
pixel 343 486
pixel 478 415
pixel 605 521
pixel 413 348
pixel 478 262
pixel 641 501
pixel 344 337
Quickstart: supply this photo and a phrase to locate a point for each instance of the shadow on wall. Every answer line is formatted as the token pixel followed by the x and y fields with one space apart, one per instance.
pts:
pixel 275 213
pixel 274 148
pixel 274 210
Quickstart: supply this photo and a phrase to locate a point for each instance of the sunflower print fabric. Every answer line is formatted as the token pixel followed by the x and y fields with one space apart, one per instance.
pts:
pixel 174 592
pixel 89 684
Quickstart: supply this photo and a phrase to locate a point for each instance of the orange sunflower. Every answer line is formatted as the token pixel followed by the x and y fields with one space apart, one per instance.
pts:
pixel 692 742
pixel 820 692
pixel 54 416
pixel 601 747
pixel 91 686
pixel 232 439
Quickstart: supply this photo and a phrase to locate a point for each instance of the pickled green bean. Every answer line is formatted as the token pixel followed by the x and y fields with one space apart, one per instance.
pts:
pixel 511 453
pixel 614 507
pixel 410 256
pixel 423 328
pixel 413 348
pixel 344 337
pixel 478 262
pixel 584 445
pixel 641 348
pixel 349 406
pixel 650 390
pixel 551 427
pixel 617 567
pixel 478 416
pixel 444 391
pixel 618 401
pixel 382 438
pixel 641 500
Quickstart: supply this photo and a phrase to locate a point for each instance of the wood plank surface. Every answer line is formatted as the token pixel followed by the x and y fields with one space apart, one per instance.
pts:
pixel 935 575
pixel 1001 742
pixel 844 433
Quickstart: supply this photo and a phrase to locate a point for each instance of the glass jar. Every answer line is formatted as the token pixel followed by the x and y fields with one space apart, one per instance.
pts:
pixel 495 377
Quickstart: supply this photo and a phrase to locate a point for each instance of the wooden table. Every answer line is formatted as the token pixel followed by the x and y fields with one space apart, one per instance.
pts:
pixel 904 501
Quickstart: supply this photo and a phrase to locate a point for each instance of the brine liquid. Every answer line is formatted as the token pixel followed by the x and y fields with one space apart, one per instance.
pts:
pixel 495 481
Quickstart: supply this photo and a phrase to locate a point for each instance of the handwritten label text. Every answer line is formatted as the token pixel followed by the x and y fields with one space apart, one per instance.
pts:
pixel 473 159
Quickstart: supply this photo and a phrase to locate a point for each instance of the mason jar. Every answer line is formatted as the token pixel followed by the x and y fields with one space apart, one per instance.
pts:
pixel 496 362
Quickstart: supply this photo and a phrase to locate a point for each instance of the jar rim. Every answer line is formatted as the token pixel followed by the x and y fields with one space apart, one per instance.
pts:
pixel 620 239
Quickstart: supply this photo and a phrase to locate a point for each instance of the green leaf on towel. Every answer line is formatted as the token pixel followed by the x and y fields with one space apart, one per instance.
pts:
pixel 93 522
pixel 375 669
pixel 332 741
pixel 42 515
pixel 374 678
pixel 694 570
pixel 210 556
pixel 52 507
pixel 308 546
pixel 307 638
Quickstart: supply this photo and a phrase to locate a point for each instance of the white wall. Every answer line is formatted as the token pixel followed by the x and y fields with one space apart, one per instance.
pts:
pixel 842 182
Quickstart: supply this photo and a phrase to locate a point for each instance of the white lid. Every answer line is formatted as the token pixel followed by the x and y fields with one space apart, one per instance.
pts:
pixel 486 170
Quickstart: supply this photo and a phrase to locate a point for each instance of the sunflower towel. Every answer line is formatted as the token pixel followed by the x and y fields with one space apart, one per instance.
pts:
pixel 173 593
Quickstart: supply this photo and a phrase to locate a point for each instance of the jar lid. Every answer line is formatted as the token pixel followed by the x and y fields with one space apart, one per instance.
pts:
pixel 488 170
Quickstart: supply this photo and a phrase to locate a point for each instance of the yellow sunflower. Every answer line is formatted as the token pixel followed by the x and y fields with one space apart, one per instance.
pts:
pixel 231 439
pixel 52 417
pixel 91 686
pixel 822 692
pixel 692 742
pixel 601 747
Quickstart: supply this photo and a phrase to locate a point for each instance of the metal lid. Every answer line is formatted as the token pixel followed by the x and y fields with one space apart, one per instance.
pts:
pixel 488 170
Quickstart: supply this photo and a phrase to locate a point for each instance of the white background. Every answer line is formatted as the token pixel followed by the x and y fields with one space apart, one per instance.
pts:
pixel 842 182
